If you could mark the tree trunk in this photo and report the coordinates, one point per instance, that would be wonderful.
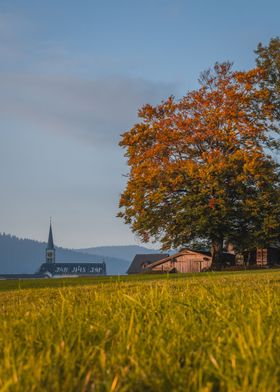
(217, 251)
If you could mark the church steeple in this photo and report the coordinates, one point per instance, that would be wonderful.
(50, 241)
(50, 250)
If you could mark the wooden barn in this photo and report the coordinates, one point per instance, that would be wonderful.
(187, 260)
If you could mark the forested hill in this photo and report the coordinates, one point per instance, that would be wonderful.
(125, 252)
(26, 256)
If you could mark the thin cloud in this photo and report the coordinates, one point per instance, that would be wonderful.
(92, 110)
(44, 86)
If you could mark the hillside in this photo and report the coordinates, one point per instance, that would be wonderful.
(25, 256)
(125, 252)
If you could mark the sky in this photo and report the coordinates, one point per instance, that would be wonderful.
(73, 75)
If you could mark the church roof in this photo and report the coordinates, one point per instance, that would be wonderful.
(50, 240)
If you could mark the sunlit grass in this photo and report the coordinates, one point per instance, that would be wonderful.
(205, 332)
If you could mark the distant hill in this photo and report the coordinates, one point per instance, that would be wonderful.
(125, 252)
(25, 256)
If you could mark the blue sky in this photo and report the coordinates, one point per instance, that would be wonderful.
(73, 75)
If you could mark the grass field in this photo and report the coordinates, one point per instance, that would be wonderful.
(205, 332)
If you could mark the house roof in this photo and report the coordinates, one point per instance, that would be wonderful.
(136, 264)
(175, 255)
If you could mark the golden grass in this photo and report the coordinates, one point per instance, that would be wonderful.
(212, 332)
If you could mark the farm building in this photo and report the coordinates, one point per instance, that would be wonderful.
(261, 257)
(141, 261)
(187, 260)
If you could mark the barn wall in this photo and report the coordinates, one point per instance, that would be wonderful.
(192, 262)
(262, 256)
(163, 267)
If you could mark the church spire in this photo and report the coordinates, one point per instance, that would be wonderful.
(50, 251)
(50, 241)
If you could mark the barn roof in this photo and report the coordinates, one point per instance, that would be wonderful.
(136, 264)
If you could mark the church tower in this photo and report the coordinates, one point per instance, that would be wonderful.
(50, 250)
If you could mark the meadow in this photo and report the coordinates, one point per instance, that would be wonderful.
(204, 332)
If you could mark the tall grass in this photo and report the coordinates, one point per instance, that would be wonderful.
(216, 332)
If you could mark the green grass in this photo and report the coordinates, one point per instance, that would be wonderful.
(204, 332)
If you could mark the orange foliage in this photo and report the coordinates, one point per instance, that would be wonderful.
(190, 156)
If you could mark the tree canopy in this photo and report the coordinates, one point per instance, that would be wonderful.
(268, 59)
(201, 168)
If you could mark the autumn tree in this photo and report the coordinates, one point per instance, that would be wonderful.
(200, 168)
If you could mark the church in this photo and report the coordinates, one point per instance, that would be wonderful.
(51, 268)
